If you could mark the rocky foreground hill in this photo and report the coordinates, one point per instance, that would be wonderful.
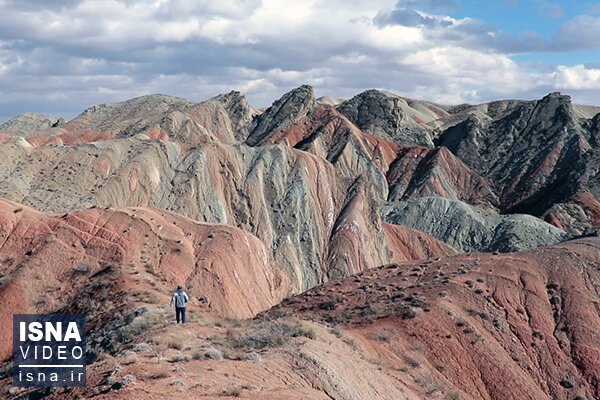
(391, 216)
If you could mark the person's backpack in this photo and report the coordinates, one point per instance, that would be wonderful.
(180, 299)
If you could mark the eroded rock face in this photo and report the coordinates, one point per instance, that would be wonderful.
(392, 117)
(327, 134)
(288, 188)
(468, 229)
(222, 119)
(535, 156)
(239, 111)
(290, 108)
(424, 172)
(477, 326)
(285, 196)
(269, 191)
(406, 244)
(128, 118)
(351, 250)
(41, 255)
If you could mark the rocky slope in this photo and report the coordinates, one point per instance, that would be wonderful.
(327, 134)
(42, 254)
(139, 170)
(403, 121)
(165, 152)
(146, 249)
(266, 191)
(468, 229)
(408, 244)
(24, 124)
(476, 326)
(290, 108)
(119, 266)
(537, 155)
(425, 172)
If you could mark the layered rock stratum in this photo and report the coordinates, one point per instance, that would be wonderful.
(106, 213)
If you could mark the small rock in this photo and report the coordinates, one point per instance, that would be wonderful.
(567, 384)
(253, 357)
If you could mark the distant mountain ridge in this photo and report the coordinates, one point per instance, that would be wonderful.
(485, 157)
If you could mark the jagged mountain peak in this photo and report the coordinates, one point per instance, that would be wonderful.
(291, 107)
(391, 117)
(240, 112)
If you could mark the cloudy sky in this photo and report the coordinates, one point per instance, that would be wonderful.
(61, 56)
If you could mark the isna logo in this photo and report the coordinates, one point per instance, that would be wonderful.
(49, 350)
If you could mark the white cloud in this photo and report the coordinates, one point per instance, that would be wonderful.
(582, 32)
(91, 51)
(577, 77)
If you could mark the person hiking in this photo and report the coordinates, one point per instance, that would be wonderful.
(179, 299)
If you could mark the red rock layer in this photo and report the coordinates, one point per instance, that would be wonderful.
(478, 326)
(407, 244)
(46, 260)
(421, 171)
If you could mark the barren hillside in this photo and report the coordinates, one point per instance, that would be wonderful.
(378, 247)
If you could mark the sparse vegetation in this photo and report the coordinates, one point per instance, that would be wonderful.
(384, 335)
(179, 384)
(159, 375)
(134, 329)
(452, 396)
(268, 333)
(146, 297)
(232, 392)
(337, 331)
(412, 362)
(175, 345)
(411, 312)
(91, 356)
(147, 317)
(128, 380)
(350, 342)
(81, 269)
(159, 355)
(180, 357)
(567, 383)
(429, 385)
(130, 360)
(139, 347)
(368, 310)
(472, 312)
(213, 354)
